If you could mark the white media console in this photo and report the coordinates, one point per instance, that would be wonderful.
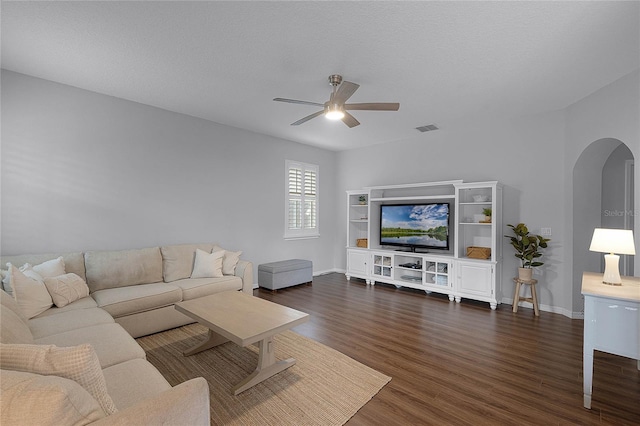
(449, 272)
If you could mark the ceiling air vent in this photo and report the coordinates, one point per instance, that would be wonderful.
(427, 128)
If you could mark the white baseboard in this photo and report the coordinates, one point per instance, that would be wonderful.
(547, 308)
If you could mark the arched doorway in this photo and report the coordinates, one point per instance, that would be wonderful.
(601, 191)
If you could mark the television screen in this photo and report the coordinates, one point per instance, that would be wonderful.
(415, 225)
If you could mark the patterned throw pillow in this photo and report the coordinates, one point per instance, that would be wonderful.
(77, 363)
(66, 288)
(33, 399)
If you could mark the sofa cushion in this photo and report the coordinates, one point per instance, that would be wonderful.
(133, 381)
(66, 288)
(78, 363)
(207, 265)
(193, 288)
(29, 290)
(137, 298)
(178, 259)
(84, 303)
(111, 342)
(14, 328)
(68, 320)
(111, 269)
(73, 262)
(30, 399)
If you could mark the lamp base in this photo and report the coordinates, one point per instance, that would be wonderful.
(611, 270)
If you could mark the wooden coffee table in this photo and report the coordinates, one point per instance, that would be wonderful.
(245, 320)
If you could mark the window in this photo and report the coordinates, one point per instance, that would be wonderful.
(301, 211)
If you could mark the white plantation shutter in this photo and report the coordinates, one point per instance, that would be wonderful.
(302, 200)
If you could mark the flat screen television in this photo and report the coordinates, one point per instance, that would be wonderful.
(424, 226)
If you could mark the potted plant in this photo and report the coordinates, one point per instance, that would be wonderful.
(487, 215)
(362, 199)
(528, 249)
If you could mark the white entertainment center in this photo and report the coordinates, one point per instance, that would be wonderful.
(451, 272)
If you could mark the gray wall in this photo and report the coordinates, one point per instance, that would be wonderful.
(524, 154)
(537, 158)
(84, 171)
(613, 211)
(596, 125)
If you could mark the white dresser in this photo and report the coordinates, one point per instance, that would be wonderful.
(611, 322)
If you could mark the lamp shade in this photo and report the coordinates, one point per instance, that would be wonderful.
(619, 241)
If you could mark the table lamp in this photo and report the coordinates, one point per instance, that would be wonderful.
(612, 241)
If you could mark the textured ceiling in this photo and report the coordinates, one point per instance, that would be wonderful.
(226, 61)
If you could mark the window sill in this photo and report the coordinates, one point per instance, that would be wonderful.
(301, 237)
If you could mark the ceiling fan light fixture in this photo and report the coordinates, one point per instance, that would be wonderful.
(334, 112)
(336, 107)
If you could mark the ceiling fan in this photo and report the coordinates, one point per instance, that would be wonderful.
(336, 108)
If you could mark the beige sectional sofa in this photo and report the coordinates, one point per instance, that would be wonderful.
(132, 294)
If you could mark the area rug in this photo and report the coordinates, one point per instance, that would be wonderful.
(324, 387)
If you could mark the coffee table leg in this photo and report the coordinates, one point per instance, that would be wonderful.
(213, 340)
(267, 366)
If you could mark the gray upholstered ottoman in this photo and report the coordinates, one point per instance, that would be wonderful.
(285, 273)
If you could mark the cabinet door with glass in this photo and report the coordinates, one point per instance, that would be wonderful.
(382, 268)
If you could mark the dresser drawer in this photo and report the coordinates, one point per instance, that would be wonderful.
(617, 325)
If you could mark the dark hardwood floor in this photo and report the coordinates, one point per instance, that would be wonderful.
(462, 364)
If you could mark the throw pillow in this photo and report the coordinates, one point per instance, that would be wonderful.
(51, 268)
(29, 290)
(230, 261)
(14, 324)
(207, 265)
(77, 363)
(30, 399)
(6, 283)
(66, 288)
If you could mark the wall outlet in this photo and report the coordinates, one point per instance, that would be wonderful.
(545, 232)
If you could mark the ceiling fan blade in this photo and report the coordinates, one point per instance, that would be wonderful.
(307, 118)
(344, 92)
(350, 120)
(295, 101)
(376, 106)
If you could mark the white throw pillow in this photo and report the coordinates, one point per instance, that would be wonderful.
(78, 363)
(51, 268)
(29, 290)
(6, 282)
(230, 261)
(66, 288)
(207, 265)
